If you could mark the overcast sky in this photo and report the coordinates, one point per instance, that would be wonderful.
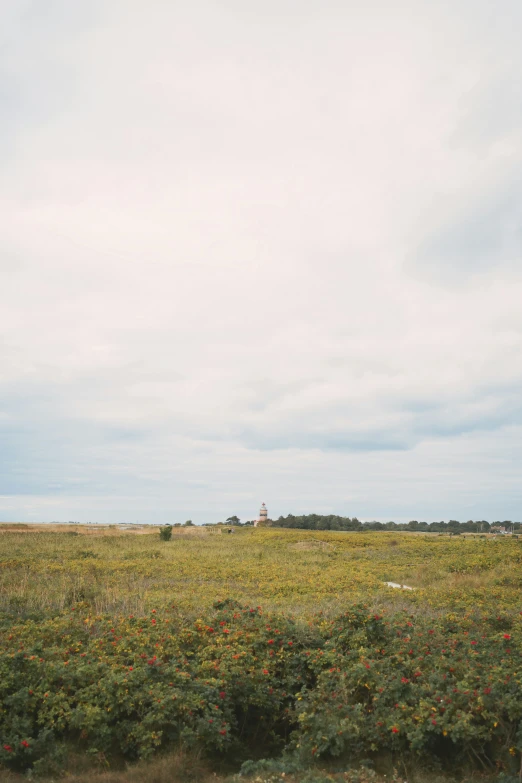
(260, 251)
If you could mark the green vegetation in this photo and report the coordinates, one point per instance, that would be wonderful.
(270, 644)
(334, 522)
(165, 533)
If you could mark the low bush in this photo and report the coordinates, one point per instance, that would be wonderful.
(238, 683)
(165, 533)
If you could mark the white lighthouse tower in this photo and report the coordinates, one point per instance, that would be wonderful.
(263, 515)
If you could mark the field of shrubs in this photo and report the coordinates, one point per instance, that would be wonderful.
(277, 654)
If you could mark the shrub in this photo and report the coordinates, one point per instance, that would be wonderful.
(237, 680)
(105, 657)
(166, 533)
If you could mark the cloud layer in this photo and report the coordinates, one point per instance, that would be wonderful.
(260, 252)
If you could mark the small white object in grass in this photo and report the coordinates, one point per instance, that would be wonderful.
(402, 587)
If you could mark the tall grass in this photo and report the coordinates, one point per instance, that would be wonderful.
(296, 571)
(174, 768)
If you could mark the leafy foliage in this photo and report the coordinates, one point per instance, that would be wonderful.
(435, 673)
(238, 679)
(335, 522)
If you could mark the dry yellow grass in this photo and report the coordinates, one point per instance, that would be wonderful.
(103, 530)
(176, 768)
(84, 530)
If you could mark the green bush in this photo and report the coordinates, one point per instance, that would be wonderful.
(237, 682)
(166, 533)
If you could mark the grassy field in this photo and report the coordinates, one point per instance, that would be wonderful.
(298, 571)
(286, 644)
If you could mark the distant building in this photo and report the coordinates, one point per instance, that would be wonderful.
(263, 515)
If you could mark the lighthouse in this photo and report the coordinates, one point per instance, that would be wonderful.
(263, 515)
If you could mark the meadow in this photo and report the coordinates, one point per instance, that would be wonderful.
(227, 650)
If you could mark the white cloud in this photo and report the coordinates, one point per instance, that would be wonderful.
(245, 250)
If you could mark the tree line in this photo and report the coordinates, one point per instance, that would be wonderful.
(334, 522)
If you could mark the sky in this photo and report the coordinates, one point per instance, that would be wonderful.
(264, 251)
